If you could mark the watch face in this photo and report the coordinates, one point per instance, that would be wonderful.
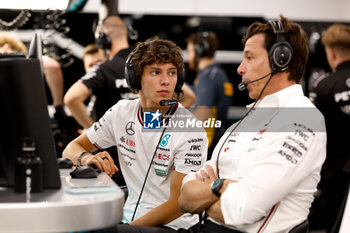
(216, 182)
(216, 186)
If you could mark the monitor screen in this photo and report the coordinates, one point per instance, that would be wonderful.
(24, 113)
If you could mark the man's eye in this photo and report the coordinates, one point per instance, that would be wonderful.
(173, 73)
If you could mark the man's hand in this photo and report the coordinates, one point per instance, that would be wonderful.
(207, 176)
(103, 161)
(214, 211)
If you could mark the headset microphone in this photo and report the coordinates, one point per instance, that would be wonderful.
(168, 102)
(173, 101)
(243, 85)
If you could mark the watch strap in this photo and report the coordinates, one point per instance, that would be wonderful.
(81, 156)
(216, 186)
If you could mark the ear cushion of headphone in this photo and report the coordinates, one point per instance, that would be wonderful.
(103, 41)
(131, 77)
(280, 56)
(199, 50)
(180, 82)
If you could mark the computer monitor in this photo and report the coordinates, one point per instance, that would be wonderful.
(24, 113)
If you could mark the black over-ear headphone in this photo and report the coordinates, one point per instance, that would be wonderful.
(281, 51)
(202, 47)
(103, 41)
(134, 80)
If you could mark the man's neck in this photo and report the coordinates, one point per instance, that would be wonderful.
(278, 82)
(116, 47)
(205, 62)
(339, 61)
(149, 106)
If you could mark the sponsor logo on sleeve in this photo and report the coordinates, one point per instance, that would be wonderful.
(195, 147)
(193, 162)
(288, 156)
(302, 134)
(194, 140)
(193, 155)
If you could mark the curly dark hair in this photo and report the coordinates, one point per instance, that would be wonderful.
(294, 34)
(155, 50)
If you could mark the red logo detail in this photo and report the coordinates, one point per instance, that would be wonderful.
(161, 156)
(226, 149)
(262, 131)
(130, 142)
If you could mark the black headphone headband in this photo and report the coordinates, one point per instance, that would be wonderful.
(134, 81)
(281, 51)
(103, 40)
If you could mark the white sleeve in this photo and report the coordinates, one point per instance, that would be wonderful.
(191, 153)
(212, 162)
(101, 133)
(289, 158)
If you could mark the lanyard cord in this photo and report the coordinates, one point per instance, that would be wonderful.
(149, 168)
(239, 122)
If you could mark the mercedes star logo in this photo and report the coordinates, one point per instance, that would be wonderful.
(129, 128)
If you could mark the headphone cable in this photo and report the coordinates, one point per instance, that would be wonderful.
(149, 168)
(240, 121)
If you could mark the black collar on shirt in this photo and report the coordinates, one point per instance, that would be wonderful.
(343, 65)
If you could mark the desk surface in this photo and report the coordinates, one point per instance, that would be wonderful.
(94, 207)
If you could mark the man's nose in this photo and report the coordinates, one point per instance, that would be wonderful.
(165, 79)
(241, 69)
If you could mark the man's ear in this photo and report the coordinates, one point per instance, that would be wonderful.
(333, 53)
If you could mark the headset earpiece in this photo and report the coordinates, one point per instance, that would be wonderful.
(130, 74)
(202, 47)
(133, 35)
(180, 82)
(103, 41)
(281, 51)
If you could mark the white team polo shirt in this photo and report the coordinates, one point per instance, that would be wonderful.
(182, 150)
(275, 154)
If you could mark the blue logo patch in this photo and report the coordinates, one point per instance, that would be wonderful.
(164, 140)
(151, 120)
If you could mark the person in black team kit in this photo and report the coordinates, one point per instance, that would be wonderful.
(331, 95)
(106, 80)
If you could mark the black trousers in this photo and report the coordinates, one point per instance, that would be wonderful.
(206, 227)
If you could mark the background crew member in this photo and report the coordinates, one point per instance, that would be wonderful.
(93, 55)
(331, 95)
(51, 68)
(213, 88)
(153, 69)
(106, 81)
(269, 163)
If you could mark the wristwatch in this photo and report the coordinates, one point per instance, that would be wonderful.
(81, 156)
(216, 186)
